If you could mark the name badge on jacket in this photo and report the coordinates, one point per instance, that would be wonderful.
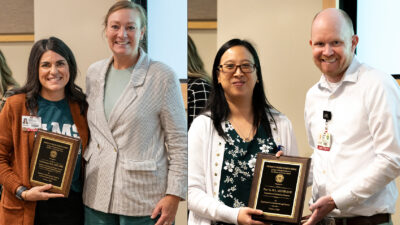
(31, 123)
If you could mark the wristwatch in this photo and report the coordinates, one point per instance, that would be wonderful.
(18, 194)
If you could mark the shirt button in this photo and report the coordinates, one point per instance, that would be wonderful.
(215, 174)
(217, 154)
(219, 144)
(216, 164)
(215, 183)
(98, 146)
(323, 171)
(115, 150)
(215, 193)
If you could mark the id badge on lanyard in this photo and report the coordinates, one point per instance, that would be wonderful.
(325, 138)
(31, 123)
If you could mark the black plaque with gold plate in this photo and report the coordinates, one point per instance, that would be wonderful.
(53, 161)
(279, 188)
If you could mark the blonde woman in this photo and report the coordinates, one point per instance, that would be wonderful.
(198, 83)
(136, 171)
(7, 82)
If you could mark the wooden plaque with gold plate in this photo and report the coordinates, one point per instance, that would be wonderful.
(53, 161)
(279, 188)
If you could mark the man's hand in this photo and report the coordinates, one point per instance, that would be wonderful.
(320, 209)
(167, 207)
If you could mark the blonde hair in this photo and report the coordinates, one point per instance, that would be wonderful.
(6, 79)
(195, 64)
(129, 5)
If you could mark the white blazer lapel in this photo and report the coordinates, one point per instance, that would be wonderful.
(102, 121)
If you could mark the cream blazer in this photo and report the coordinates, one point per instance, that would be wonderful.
(140, 154)
(206, 151)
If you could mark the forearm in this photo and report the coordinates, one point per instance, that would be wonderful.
(177, 171)
(378, 174)
(207, 207)
(8, 178)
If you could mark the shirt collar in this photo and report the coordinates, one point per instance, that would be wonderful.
(351, 74)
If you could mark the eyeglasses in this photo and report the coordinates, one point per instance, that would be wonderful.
(231, 68)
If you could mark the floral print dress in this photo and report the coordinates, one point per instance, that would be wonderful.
(238, 165)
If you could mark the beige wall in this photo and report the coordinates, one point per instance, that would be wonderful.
(17, 55)
(280, 31)
(78, 24)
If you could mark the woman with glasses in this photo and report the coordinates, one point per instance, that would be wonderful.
(223, 143)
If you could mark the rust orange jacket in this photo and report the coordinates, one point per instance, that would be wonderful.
(16, 148)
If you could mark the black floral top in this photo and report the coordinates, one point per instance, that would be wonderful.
(238, 165)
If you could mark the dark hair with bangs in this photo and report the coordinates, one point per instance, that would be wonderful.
(217, 104)
(32, 86)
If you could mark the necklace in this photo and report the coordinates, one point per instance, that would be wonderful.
(245, 138)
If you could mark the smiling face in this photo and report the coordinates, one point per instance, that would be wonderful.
(332, 44)
(124, 32)
(237, 84)
(53, 75)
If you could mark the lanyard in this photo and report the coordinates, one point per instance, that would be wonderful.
(326, 115)
(324, 141)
